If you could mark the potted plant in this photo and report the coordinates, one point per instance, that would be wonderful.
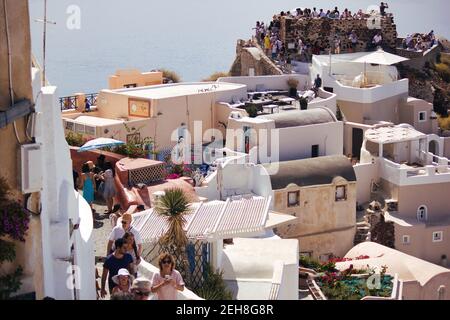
(292, 83)
(303, 103)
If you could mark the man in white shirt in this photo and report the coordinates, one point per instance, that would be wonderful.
(322, 14)
(315, 14)
(118, 232)
(377, 40)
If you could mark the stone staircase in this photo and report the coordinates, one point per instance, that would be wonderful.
(362, 232)
(315, 291)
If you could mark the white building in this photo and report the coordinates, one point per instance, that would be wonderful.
(405, 169)
(290, 135)
(253, 268)
(68, 260)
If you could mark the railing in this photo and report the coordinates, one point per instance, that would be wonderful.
(92, 98)
(70, 102)
(67, 103)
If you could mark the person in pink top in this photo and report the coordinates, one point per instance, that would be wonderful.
(167, 281)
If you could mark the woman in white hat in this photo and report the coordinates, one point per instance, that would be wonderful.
(123, 279)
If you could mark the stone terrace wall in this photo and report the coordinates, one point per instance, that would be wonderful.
(250, 55)
(319, 30)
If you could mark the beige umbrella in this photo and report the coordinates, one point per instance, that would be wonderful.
(379, 57)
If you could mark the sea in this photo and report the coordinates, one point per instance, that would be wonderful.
(88, 40)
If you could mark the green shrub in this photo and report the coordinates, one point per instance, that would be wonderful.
(170, 75)
(213, 287)
(74, 139)
(444, 71)
(252, 110)
(10, 283)
(217, 75)
(7, 252)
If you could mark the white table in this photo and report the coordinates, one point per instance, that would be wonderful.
(271, 107)
(287, 100)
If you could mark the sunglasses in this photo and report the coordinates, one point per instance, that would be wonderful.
(167, 262)
(140, 293)
(124, 222)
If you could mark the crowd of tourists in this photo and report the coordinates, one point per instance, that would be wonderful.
(420, 42)
(268, 36)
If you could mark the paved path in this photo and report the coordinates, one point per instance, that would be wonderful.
(102, 229)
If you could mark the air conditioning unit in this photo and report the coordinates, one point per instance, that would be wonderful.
(31, 168)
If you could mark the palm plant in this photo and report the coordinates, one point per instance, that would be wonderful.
(174, 205)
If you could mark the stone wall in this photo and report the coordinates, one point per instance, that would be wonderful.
(312, 30)
(249, 55)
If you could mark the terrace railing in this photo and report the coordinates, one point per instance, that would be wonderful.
(67, 103)
(71, 102)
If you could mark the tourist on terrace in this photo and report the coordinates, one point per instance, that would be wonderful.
(383, 7)
(314, 13)
(132, 250)
(141, 288)
(359, 15)
(87, 184)
(119, 231)
(354, 40)
(377, 40)
(317, 85)
(87, 106)
(337, 45)
(267, 44)
(336, 13)
(167, 281)
(113, 263)
(123, 280)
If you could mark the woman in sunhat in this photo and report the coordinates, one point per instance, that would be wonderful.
(123, 280)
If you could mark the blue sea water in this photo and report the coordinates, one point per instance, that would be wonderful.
(192, 37)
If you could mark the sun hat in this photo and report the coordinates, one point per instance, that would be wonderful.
(142, 284)
(122, 272)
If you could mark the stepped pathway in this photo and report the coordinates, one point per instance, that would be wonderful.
(362, 232)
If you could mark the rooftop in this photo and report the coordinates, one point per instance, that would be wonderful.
(408, 268)
(393, 134)
(217, 219)
(297, 118)
(311, 172)
(177, 89)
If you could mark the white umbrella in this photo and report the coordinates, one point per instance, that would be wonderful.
(379, 57)
(100, 143)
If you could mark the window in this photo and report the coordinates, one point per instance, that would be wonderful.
(341, 193)
(325, 257)
(130, 85)
(422, 116)
(422, 213)
(437, 236)
(293, 198)
(406, 239)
